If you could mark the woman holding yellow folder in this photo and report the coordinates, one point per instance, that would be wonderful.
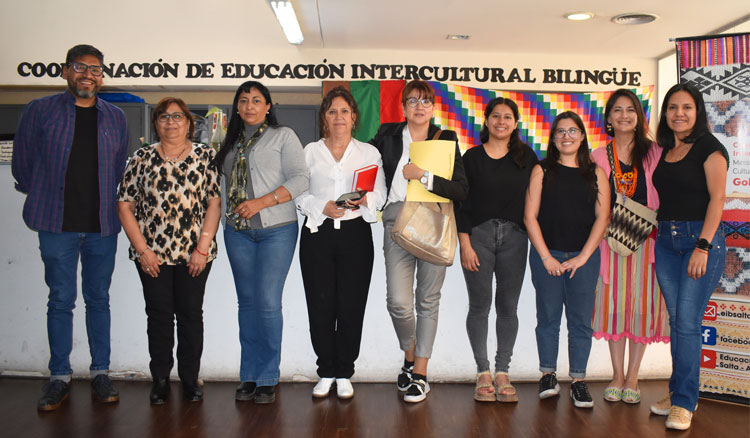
(416, 335)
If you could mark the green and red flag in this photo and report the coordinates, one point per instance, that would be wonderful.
(378, 102)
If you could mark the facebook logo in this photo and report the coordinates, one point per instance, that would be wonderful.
(709, 335)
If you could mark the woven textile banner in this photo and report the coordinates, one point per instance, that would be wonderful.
(720, 68)
(461, 109)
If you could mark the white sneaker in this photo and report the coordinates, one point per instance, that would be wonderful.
(417, 391)
(323, 387)
(344, 388)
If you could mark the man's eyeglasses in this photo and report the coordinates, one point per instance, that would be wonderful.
(80, 67)
(572, 132)
(413, 101)
(176, 117)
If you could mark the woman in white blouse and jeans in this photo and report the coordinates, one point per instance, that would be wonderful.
(336, 250)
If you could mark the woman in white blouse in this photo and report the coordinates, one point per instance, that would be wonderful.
(336, 250)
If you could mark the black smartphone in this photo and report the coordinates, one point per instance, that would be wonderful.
(352, 196)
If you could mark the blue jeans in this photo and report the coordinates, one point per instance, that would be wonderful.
(577, 294)
(60, 252)
(260, 261)
(686, 301)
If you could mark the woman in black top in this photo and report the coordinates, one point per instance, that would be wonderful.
(691, 181)
(566, 215)
(494, 241)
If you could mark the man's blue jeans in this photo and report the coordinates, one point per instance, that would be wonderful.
(60, 253)
(260, 261)
(577, 295)
(686, 301)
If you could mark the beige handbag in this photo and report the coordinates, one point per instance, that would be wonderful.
(427, 230)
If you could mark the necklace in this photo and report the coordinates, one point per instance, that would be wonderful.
(624, 182)
(174, 159)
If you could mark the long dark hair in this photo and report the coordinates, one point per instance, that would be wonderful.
(237, 125)
(515, 146)
(583, 155)
(665, 135)
(641, 142)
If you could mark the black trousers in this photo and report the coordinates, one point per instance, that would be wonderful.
(174, 293)
(336, 271)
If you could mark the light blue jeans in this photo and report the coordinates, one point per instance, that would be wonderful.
(577, 295)
(260, 261)
(686, 301)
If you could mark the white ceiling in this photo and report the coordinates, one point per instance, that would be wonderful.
(502, 26)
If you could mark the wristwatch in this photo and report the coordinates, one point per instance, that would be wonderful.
(425, 178)
(703, 244)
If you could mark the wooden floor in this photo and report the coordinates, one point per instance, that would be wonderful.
(376, 411)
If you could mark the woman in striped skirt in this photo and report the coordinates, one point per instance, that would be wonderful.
(628, 301)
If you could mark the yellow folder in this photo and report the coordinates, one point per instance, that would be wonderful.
(436, 156)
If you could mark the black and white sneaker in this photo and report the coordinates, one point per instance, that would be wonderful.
(579, 392)
(404, 379)
(548, 386)
(417, 391)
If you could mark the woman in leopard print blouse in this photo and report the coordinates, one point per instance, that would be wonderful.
(170, 205)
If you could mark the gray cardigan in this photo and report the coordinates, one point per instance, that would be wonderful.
(275, 160)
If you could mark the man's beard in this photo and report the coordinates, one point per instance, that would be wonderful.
(83, 93)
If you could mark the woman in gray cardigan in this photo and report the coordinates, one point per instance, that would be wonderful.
(263, 169)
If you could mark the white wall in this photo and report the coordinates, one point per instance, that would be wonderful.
(23, 346)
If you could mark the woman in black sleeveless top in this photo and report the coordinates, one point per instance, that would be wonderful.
(689, 255)
(566, 215)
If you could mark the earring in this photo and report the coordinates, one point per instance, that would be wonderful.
(609, 129)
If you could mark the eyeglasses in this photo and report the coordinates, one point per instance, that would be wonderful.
(176, 117)
(413, 101)
(80, 67)
(572, 132)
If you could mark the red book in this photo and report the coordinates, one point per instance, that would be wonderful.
(364, 178)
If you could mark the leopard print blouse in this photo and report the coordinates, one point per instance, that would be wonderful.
(171, 200)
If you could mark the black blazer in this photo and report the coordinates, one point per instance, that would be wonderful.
(389, 142)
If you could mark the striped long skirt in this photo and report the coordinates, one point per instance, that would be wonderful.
(631, 305)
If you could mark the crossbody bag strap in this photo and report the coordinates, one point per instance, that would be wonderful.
(610, 157)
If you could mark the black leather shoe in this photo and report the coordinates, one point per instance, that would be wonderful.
(102, 389)
(192, 392)
(245, 392)
(55, 392)
(265, 395)
(159, 392)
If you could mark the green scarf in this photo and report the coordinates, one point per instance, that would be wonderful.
(237, 186)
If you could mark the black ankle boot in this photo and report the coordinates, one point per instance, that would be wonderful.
(192, 391)
(159, 391)
(245, 392)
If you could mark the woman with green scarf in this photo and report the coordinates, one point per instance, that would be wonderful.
(263, 169)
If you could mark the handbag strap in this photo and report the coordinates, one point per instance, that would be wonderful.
(610, 157)
(437, 134)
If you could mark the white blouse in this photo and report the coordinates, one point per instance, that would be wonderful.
(330, 179)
